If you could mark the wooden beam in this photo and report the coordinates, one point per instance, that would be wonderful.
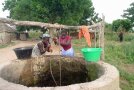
(41, 24)
(102, 38)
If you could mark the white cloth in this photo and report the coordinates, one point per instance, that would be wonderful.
(69, 52)
(36, 51)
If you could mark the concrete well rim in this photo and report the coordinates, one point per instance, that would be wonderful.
(109, 78)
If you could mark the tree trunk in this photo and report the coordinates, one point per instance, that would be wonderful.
(40, 24)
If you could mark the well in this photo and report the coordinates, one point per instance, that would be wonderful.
(104, 77)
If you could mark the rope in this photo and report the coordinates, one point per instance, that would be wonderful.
(52, 74)
(60, 71)
(59, 41)
(60, 60)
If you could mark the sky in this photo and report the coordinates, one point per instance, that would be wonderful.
(3, 14)
(111, 9)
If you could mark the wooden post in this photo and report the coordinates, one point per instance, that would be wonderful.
(95, 38)
(99, 34)
(102, 37)
(51, 32)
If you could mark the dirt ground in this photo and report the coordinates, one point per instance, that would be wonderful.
(7, 53)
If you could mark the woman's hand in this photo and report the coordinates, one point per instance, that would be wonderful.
(48, 48)
(49, 45)
(51, 50)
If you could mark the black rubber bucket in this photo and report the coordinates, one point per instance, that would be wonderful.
(23, 52)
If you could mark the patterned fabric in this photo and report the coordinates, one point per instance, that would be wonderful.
(36, 51)
(40, 48)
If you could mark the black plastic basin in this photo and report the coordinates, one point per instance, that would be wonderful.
(23, 52)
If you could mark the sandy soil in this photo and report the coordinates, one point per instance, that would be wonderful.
(7, 53)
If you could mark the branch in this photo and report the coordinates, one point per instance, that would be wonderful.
(41, 24)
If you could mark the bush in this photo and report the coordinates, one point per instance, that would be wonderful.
(121, 24)
(34, 34)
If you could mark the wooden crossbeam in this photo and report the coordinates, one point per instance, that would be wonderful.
(41, 24)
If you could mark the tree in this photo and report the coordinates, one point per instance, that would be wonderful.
(123, 24)
(70, 12)
(129, 13)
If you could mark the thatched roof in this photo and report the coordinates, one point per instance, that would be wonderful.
(6, 28)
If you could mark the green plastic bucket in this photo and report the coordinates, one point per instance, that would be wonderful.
(91, 54)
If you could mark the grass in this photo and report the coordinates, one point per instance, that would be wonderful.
(7, 45)
(128, 78)
(119, 54)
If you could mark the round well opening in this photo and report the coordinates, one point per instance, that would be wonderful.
(51, 70)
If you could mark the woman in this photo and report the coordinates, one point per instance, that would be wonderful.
(65, 42)
(42, 46)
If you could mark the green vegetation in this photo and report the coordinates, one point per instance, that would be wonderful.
(68, 12)
(3, 45)
(118, 54)
(121, 24)
(34, 34)
(93, 70)
(7, 45)
(129, 13)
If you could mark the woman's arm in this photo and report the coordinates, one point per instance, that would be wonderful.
(48, 48)
(41, 48)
